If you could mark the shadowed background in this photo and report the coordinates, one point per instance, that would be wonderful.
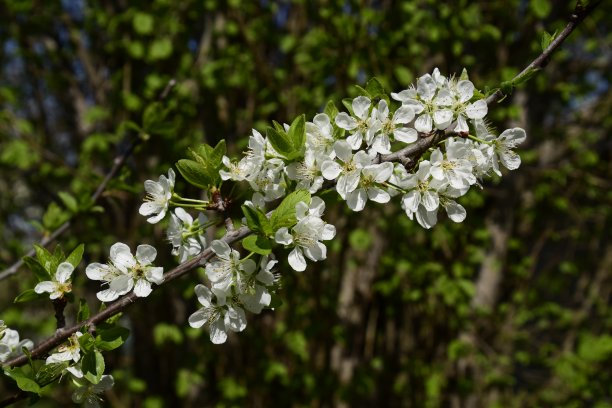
(509, 308)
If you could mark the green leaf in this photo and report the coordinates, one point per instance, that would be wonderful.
(35, 266)
(464, 75)
(278, 126)
(69, 201)
(194, 172)
(280, 141)
(297, 135)
(284, 215)
(50, 372)
(331, 110)
(256, 220)
(143, 23)
(258, 244)
(218, 152)
(362, 91)
(24, 380)
(83, 313)
(46, 259)
(547, 39)
(525, 77)
(112, 338)
(541, 8)
(160, 49)
(54, 216)
(87, 342)
(28, 295)
(75, 256)
(375, 88)
(348, 104)
(93, 366)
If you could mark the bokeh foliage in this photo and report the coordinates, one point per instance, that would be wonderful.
(510, 308)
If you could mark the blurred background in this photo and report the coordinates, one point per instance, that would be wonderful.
(510, 308)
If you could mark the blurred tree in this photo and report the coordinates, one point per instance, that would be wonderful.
(509, 308)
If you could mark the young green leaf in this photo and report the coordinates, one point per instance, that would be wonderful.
(284, 215)
(112, 338)
(256, 220)
(75, 256)
(93, 366)
(331, 110)
(83, 313)
(39, 271)
(279, 141)
(375, 88)
(69, 201)
(194, 172)
(297, 135)
(258, 244)
(46, 259)
(28, 295)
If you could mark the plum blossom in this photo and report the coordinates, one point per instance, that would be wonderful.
(348, 173)
(223, 272)
(501, 149)
(88, 394)
(369, 186)
(158, 197)
(60, 284)
(67, 352)
(384, 127)
(307, 234)
(186, 235)
(359, 123)
(126, 272)
(10, 345)
(218, 316)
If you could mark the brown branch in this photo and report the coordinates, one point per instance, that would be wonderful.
(117, 164)
(579, 14)
(62, 334)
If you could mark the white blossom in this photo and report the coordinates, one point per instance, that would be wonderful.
(347, 172)
(158, 197)
(10, 345)
(126, 272)
(185, 235)
(88, 394)
(369, 186)
(319, 136)
(358, 124)
(60, 284)
(67, 352)
(378, 136)
(306, 236)
(307, 172)
(224, 271)
(216, 315)
(501, 149)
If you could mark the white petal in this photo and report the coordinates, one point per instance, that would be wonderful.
(515, 135)
(204, 295)
(510, 159)
(442, 118)
(356, 200)
(361, 106)
(155, 275)
(444, 98)
(107, 295)
(462, 126)
(121, 256)
(142, 288)
(423, 123)
(145, 254)
(465, 89)
(46, 286)
(235, 319)
(148, 208)
(221, 248)
(427, 219)
(183, 216)
(477, 110)
(378, 195)
(317, 252)
(330, 170)
(343, 150)
(97, 271)
(430, 201)
(404, 114)
(411, 200)
(329, 232)
(217, 332)
(283, 236)
(198, 318)
(426, 87)
(122, 284)
(455, 211)
(296, 260)
(344, 121)
(64, 270)
(406, 135)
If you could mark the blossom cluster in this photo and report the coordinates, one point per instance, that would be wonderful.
(346, 152)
